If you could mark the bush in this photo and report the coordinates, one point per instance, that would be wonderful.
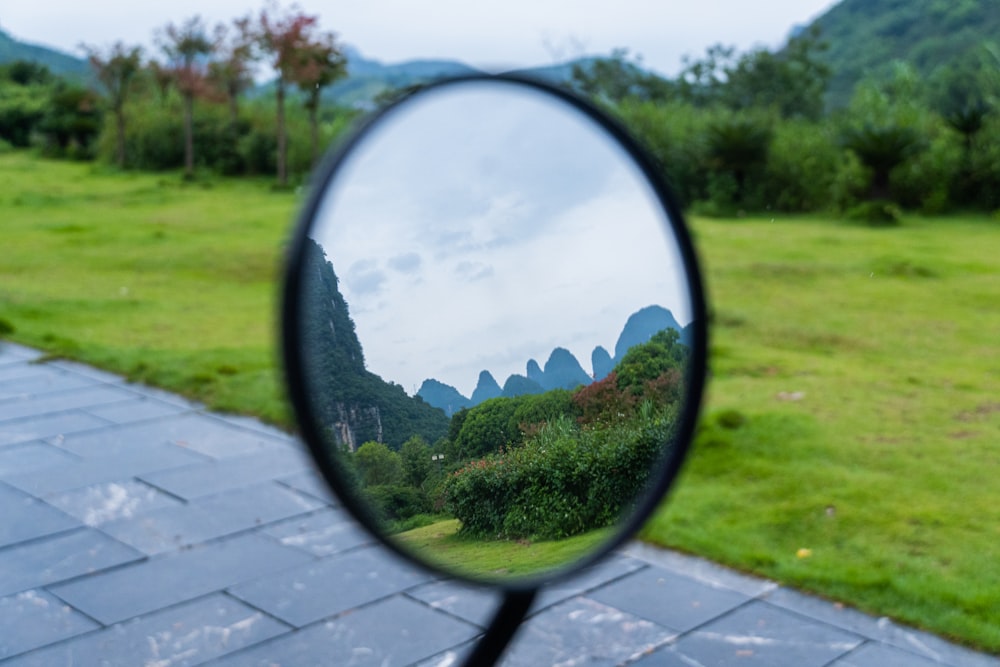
(879, 213)
(563, 481)
(803, 168)
(154, 137)
(395, 502)
(673, 134)
(924, 181)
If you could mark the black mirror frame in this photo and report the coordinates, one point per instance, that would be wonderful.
(294, 363)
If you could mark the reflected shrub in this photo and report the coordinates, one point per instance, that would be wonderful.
(564, 480)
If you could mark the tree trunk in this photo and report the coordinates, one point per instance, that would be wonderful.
(188, 135)
(234, 105)
(120, 148)
(880, 189)
(314, 132)
(282, 138)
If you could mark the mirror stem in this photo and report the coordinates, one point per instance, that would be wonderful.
(501, 630)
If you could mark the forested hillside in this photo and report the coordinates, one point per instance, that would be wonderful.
(866, 36)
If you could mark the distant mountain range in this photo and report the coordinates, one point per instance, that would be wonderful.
(562, 370)
(58, 62)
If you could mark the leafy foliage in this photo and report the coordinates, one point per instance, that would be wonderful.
(562, 463)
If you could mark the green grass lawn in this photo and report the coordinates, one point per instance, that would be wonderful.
(866, 363)
(166, 282)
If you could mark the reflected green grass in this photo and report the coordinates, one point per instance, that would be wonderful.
(441, 544)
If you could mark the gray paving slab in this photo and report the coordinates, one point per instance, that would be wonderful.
(470, 603)
(310, 482)
(120, 466)
(26, 517)
(179, 525)
(580, 631)
(59, 558)
(35, 618)
(16, 369)
(35, 380)
(204, 479)
(391, 633)
(668, 599)
(195, 432)
(29, 456)
(187, 634)
(667, 656)
(90, 372)
(880, 655)
(613, 568)
(133, 410)
(84, 397)
(759, 634)
(47, 426)
(12, 352)
(156, 583)
(701, 570)
(333, 585)
(100, 503)
(324, 533)
(882, 630)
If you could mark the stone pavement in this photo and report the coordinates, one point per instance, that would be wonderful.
(139, 529)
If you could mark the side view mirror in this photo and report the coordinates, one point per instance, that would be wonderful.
(494, 334)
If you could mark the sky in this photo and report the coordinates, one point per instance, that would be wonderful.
(460, 250)
(493, 34)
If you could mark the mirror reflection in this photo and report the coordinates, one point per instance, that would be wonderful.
(495, 324)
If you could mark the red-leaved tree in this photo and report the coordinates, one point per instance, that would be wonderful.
(318, 65)
(284, 38)
(231, 69)
(188, 48)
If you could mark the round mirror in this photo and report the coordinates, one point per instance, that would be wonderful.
(494, 330)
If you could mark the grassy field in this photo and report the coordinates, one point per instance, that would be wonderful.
(167, 282)
(864, 365)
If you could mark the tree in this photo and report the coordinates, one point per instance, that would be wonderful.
(881, 126)
(318, 64)
(378, 465)
(25, 72)
(230, 71)
(71, 120)
(737, 145)
(416, 458)
(116, 70)
(162, 78)
(701, 81)
(24, 98)
(187, 47)
(284, 38)
(792, 81)
(611, 80)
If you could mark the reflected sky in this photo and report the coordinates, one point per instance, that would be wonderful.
(482, 225)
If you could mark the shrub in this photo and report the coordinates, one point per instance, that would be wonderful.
(394, 502)
(878, 213)
(803, 168)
